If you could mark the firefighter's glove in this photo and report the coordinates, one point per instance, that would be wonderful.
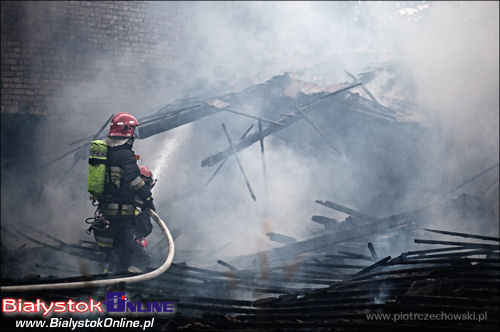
(142, 241)
(148, 204)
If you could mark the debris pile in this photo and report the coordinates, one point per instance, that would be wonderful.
(362, 273)
(445, 287)
(335, 281)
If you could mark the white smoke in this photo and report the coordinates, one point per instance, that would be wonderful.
(445, 57)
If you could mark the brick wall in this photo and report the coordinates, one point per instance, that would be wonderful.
(45, 45)
(48, 46)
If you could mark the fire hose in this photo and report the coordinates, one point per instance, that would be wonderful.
(107, 282)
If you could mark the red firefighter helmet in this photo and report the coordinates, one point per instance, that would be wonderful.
(123, 125)
(147, 175)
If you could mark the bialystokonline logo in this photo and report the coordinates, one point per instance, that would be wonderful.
(116, 302)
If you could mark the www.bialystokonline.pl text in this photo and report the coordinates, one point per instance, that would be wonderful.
(86, 323)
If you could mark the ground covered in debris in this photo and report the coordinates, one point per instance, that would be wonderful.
(336, 281)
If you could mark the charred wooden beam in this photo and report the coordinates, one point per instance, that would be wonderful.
(230, 141)
(224, 161)
(325, 221)
(246, 132)
(345, 209)
(464, 244)
(473, 236)
(423, 252)
(372, 251)
(261, 139)
(281, 238)
(450, 260)
(454, 254)
(229, 266)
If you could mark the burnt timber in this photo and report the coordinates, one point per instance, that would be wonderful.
(329, 281)
(317, 284)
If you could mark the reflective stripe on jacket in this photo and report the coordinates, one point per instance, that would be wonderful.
(124, 181)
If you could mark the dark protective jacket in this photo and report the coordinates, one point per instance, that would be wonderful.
(123, 181)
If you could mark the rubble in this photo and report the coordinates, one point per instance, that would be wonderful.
(340, 278)
(315, 284)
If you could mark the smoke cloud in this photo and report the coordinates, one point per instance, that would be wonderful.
(441, 56)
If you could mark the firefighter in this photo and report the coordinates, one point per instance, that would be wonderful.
(142, 228)
(123, 184)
